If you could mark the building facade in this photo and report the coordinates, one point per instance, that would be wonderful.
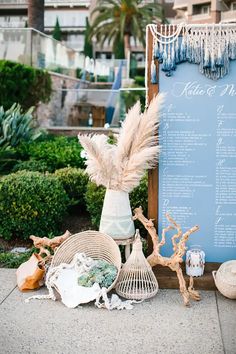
(70, 14)
(202, 11)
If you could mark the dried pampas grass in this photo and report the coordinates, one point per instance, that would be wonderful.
(122, 165)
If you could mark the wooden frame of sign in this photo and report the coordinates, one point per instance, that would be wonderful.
(166, 278)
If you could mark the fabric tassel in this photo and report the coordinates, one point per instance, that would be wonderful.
(219, 59)
(206, 63)
(153, 73)
(160, 59)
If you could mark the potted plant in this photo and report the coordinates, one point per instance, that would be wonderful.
(119, 167)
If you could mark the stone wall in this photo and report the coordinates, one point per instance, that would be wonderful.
(56, 112)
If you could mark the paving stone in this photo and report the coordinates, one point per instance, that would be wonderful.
(227, 315)
(161, 325)
(7, 282)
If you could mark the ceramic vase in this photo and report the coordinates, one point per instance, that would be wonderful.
(116, 219)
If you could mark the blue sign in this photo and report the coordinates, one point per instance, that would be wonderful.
(197, 168)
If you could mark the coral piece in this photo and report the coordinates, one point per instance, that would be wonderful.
(173, 262)
(42, 242)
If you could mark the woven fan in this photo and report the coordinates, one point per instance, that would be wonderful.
(137, 280)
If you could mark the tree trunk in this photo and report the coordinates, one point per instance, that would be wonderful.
(36, 14)
(127, 45)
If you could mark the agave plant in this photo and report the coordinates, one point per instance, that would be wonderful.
(16, 126)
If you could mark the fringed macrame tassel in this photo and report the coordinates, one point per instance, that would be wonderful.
(153, 73)
(206, 63)
(219, 59)
(211, 48)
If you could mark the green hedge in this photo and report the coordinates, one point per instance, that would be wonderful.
(95, 195)
(30, 203)
(31, 165)
(74, 181)
(23, 84)
(57, 152)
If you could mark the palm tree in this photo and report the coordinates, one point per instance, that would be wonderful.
(118, 20)
(36, 14)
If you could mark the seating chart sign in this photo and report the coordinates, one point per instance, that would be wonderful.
(197, 167)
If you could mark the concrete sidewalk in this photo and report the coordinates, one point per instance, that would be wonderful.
(160, 325)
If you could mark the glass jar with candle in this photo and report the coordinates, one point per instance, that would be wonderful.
(195, 261)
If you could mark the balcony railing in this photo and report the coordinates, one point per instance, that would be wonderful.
(13, 2)
(12, 24)
(31, 47)
(180, 4)
(105, 105)
(228, 16)
(200, 17)
(48, 2)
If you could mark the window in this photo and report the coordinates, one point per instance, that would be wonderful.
(205, 9)
(201, 9)
(233, 6)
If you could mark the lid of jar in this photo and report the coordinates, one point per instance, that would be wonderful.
(227, 272)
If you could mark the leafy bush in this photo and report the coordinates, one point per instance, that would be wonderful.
(30, 203)
(8, 159)
(95, 195)
(139, 80)
(14, 260)
(57, 152)
(31, 165)
(23, 84)
(16, 126)
(74, 181)
(131, 97)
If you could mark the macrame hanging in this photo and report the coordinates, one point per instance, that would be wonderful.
(137, 280)
(210, 46)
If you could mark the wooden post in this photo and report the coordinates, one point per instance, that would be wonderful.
(152, 174)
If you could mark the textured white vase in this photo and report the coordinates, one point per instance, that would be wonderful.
(116, 219)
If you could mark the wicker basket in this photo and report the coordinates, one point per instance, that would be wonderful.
(94, 244)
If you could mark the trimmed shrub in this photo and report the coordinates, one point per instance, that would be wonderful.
(8, 159)
(74, 181)
(95, 195)
(23, 84)
(30, 203)
(57, 152)
(31, 165)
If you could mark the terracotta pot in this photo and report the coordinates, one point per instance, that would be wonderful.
(116, 219)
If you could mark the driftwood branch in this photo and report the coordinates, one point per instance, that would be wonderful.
(42, 242)
(173, 262)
